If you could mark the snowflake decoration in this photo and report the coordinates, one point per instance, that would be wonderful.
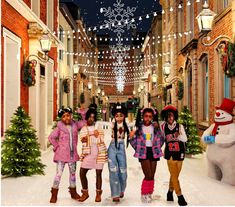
(119, 18)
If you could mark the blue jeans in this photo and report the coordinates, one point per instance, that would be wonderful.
(117, 168)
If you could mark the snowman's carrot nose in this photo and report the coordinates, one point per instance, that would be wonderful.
(217, 113)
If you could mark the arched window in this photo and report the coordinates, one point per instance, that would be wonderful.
(222, 83)
(189, 83)
(203, 87)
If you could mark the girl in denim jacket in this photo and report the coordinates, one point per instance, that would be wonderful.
(147, 142)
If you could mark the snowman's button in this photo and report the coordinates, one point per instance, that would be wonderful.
(217, 132)
(218, 129)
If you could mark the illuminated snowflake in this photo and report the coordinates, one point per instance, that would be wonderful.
(119, 18)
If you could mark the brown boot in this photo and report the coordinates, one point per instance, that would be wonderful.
(98, 195)
(54, 192)
(73, 193)
(116, 199)
(84, 196)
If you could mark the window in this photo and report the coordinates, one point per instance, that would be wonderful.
(168, 12)
(227, 87)
(189, 86)
(222, 82)
(50, 14)
(205, 88)
(68, 50)
(190, 20)
(180, 17)
(35, 6)
(226, 3)
(62, 40)
(222, 4)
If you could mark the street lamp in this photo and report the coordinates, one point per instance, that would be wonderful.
(167, 69)
(98, 90)
(134, 92)
(154, 78)
(75, 69)
(205, 21)
(30, 65)
(141, 86)
(89, 85)
(102, 93)
(45, 43)
(166, 73)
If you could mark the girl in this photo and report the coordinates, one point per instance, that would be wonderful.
(64, 141)
(117, 154)
(94, 155)
(147, 142)
(175, 138)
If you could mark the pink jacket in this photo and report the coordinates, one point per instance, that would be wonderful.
(59, 138)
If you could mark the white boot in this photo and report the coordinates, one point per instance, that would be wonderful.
(146, 198)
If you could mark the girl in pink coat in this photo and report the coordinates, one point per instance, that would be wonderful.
(64, 139)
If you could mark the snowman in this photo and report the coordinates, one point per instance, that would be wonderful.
(220, 137)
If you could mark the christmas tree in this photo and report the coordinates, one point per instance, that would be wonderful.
(20, 150)
(99, 112)
(193, 145)
(76, 116)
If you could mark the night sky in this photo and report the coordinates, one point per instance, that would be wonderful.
(90, 10)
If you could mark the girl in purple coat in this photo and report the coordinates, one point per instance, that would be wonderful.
(147, 142)
(64, 139)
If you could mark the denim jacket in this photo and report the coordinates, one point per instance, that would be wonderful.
(139, 144)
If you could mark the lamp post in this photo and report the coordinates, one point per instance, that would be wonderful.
(29, 67)
(154, 78)
(45, 43)
(205, 21)
(89, 85)
(167, 72)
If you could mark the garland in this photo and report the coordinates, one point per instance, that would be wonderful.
(180, 92)
(228, 59)
(29, 73)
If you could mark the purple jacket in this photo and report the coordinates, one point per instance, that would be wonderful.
(139, 144)
(59, 138)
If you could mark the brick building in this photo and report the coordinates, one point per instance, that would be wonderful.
(199, 66)
(22, 25)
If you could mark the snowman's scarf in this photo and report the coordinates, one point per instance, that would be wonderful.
(217, 124)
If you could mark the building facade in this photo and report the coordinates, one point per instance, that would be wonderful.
(22, 25)
(199, 66)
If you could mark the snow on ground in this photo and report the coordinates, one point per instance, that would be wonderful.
(197, 188)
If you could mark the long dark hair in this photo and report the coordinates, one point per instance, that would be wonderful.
(126, 130)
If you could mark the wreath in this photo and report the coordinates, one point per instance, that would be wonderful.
(180, 92)
(66, 84)
(228, 59)
(29, 73)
